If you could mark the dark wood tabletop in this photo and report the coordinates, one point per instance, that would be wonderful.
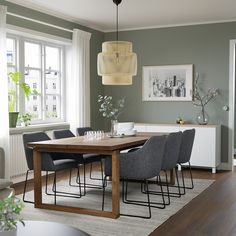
(45, 228)
(77, 144)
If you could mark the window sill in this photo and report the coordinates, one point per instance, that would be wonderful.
(39, 127)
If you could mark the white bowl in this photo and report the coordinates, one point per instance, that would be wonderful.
(125, 126)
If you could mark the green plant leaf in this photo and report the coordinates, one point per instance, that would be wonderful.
(15, 77)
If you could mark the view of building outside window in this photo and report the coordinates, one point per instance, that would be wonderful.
(42, 71)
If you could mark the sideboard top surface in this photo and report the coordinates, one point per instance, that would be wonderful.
(184, 125)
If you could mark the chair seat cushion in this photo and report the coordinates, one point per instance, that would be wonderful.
(4, 183)
(92, 157)
(77, 157)
(64, 164)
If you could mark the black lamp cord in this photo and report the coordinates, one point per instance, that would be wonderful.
(117, 22)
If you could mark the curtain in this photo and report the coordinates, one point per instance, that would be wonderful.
(4, 123)
(78, 84)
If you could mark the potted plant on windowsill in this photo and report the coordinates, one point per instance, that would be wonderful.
(16, 79)
(10, 209)
(25, 119)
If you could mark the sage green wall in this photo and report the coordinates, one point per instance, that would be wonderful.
(95, 46)
(204, 46)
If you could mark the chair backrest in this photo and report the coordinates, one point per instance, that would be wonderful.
(186, 146)
(146, 162)
(65, 133)
(47, 162)
(82, 130)
(172, 150)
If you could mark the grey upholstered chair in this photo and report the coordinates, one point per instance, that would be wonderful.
(141, 165)
(185, 154)
(81, 131)
(83, 158)
(171, 155)
(49, 163)
(66, 133)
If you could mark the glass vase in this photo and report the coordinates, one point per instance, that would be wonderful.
(202, 117)
(114, 124)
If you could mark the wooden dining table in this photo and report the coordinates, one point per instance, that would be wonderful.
(106, 146)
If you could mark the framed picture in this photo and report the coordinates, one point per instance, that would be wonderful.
(167, 83)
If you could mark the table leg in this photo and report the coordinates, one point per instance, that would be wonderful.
(115, 184)
(172, 177)
(37, 179)
(115, 213)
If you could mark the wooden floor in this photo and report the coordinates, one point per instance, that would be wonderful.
(212, 213)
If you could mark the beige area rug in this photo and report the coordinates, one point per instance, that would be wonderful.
(99, 226)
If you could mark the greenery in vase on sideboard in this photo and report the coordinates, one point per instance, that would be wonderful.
(201, 99)
(111, 110)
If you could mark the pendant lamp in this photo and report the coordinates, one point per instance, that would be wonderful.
(117, 63)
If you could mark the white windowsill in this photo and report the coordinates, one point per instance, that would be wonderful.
(39, 127)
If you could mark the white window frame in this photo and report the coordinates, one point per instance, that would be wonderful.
(48, 40)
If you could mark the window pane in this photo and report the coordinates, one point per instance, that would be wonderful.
(52, 83)
(52, 58)
(53, 106)
(11, 51)
(33, 104)
(12, 92)
(32, 55)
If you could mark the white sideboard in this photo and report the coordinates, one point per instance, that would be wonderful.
(207, 143)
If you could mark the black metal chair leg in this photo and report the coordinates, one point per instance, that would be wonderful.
(102, 171)
(103, 192)
(147, 204)
(46, 186)
(122, 191)
(182, 176)
(91, 170)
(126, 191)
(77, 181)
(162, 193)
(78, 177)
(191, 177)
(167, 188)
(159, 205)
(55, 187)
(60, 193)
(86, 185)
(26, 179)
(178, 186)
(84, 180)
(70, 181)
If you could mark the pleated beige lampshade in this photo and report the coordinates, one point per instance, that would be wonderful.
(117, 63)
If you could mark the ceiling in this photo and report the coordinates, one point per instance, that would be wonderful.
(136, 14)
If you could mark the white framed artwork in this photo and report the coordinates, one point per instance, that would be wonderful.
(167, 83)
